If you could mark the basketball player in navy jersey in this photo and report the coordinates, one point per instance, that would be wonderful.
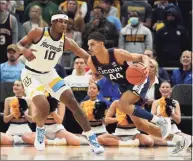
(43, 47)
(113, 63)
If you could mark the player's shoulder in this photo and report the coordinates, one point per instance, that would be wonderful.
(119, 51)
(37, 31)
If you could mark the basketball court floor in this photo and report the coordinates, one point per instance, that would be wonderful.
(84, 153)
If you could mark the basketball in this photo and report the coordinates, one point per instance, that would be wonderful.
(135, 74)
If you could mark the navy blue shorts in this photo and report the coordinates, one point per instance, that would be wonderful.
(140, 90)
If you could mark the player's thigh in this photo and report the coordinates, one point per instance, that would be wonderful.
(54, 84)
(32, 84)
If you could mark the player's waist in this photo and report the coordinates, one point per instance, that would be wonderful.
(35, 71)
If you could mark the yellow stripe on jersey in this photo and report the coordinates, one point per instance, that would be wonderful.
(56, 84)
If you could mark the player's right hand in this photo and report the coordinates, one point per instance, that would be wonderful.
(28, 54)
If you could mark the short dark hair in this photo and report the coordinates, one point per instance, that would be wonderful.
(108, 1)
(134, 11)
(76, 57)
(97, 36)
(59, 12)
(100, 8)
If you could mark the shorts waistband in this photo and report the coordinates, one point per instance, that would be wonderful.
(126, 127)
(33, 70)
(18, 123)
(50, 123)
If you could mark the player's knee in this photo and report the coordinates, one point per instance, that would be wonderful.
(42, 105)
(125, 107)
(67, 98)
(101, 139)
(147, 141)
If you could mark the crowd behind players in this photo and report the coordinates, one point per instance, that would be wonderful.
(160, 29)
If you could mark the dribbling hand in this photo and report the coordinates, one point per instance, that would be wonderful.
(146, 71)
(28, 54)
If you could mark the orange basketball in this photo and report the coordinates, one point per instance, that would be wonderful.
(135, 74)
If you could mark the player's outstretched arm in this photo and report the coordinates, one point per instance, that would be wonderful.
(33, 36)
(71, 45)
(123, 55)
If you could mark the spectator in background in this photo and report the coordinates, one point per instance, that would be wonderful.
(106, 5)
(153, 92)
(79, 83)
(94, 109)
(110, 9)
(72, 33)
(158, 13)
(163, 74)
(11, 70)
(126, 133)
(101, 24)
(165, 106)
(135, 37)
(183, 75)
(48, 8)
(108, 90)
(17, 112)
(73, 10)
(35, 15)
(67, 58)
(171, 40)
(80, 6)
(113, 6)
(142, 7)
(8, 30)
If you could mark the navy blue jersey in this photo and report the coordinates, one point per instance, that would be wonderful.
(113, 71)
(117, 73)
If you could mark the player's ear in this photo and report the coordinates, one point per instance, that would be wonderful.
(102, 43)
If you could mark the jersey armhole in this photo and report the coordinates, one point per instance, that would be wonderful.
(40, 37)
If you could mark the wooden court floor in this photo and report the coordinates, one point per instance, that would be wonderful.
(84, 153)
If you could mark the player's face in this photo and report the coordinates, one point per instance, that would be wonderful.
(94, 46)
(165, 89)
(92, 90)
(60, 25)
(17, 87)
(79, 64)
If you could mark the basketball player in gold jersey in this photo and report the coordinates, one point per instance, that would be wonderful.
(43, 47)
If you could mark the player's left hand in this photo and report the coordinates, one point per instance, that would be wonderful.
(146, 70)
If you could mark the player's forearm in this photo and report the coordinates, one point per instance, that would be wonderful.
(145, 60)
(81, 53)
(21, 47)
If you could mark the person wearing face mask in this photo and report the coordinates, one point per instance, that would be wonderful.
(171, 40)
(135, 37)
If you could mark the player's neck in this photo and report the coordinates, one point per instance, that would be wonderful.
(54, 34)
(103, 56)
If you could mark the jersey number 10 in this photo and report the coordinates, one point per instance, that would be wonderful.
(50, 55)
